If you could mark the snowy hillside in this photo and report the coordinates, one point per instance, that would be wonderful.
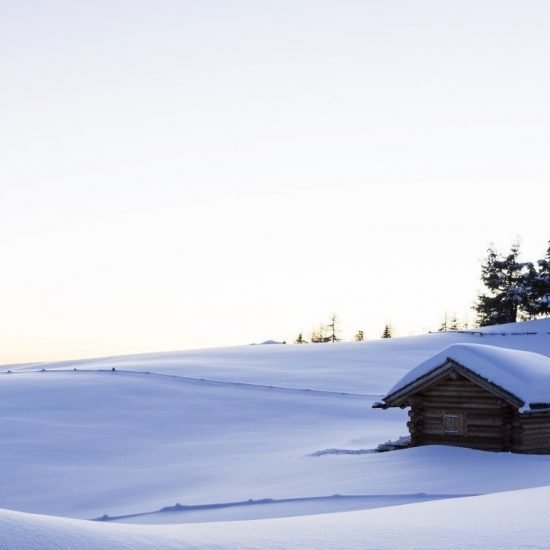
(237, 434)
(363, 367)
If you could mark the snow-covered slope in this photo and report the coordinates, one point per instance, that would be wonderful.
(90, 443)
(516, 520)
(358, 367)
(235, 433)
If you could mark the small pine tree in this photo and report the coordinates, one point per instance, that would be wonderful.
(319, 336)
(326, 333)
(359, 336)
(454, 325)
(387, 331)
(300, 339)
(333, 328)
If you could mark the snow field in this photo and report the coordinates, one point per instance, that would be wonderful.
(214, 429)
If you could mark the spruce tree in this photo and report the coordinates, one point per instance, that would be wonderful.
(543, 290)
(537, 289)
(387, 331)
(504, 278)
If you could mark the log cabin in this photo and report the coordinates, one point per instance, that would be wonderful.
(478, 396)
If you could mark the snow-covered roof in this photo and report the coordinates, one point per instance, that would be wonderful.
(524, 374)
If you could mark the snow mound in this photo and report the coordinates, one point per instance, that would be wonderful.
(536, 326)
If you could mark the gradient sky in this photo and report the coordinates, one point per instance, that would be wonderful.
(181, 174)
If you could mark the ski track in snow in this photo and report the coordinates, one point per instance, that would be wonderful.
(377, 501)
(324, 452)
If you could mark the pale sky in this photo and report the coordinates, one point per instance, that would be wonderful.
(180, 174)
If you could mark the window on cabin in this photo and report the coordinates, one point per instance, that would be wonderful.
(452, 423)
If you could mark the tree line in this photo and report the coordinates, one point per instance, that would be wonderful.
(330, 332)
(514, 290)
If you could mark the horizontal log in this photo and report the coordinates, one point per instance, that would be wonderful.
(455, 386)
(485, 445)
(428, 399)
(535, 427)
(533, 446)
(489, 422)
(432, 413)
(486, 417)
(485, 433)
(537, 439)
(480, 434)
(459, 383)
(433, 431)
(433, 428)
(470, 438)
(534, 440)
(537, 449)
(449, 404)
(528, 429)
(466, 390)
(476, 390)
(475, 416)
(458, 396)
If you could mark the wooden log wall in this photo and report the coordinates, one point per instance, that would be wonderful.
(485, 421)
(534, 436)
(478, 419)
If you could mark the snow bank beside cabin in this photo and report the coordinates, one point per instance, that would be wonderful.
(524, 374)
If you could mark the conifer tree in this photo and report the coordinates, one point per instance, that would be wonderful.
(326, 333)
(504, 278)
(543, 291)
(333, 328)
(537, 289)
(454, 325)
(387, 331)
(319, 335)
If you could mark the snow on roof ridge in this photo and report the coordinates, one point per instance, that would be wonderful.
(524, 374)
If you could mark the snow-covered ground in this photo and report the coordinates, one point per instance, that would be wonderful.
(517, 520)
(225, 436)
